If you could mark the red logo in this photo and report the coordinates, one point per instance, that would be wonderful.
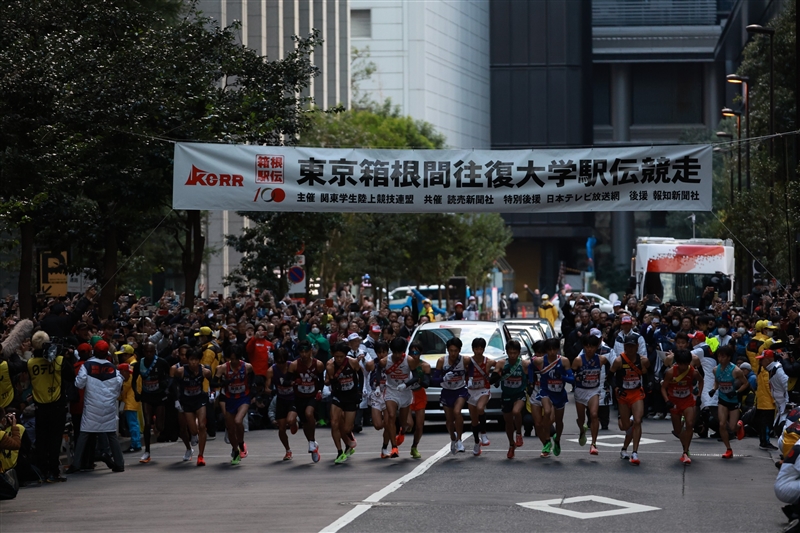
(268, 194)
(201, 177)
(269, 169)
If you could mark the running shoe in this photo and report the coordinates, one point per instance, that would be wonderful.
(453, 447)
(485, 439)
(145, 457)
(293, 427)
(415, 454)
(685, 459)
(400, 438)
(728, 454)
(352, 439)
(384, 453)
(227, 440)
(518, 441)
(767, 446)
(623, 454)
(510, 453)
(476, 450)
(395, 453)
(349, 451)
(322, 423)
(288, 456)
(556, 448)
(460, 446)
(195, 440)
(582, 436)
(342, 457)
(547, 447)
(635, 459)
(315, 453)
(739, 430)
(593, 450)
(236, 459)
(243, 450)
(187, 456)
(201, 461)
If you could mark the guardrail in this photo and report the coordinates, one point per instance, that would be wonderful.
(654, 12)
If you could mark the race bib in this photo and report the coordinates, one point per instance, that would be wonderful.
(681, 393)
(726, 388)
(285, 391)
(192, 391)
(150, 385)
(236, 389)
(631, 383)
(591, 380)
(306, 388)
(555, 386)
(477, 383)
(513, 382)
(346, 383)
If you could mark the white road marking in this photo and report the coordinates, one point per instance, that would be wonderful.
(621, 439)
(549, 506)
(360, 509)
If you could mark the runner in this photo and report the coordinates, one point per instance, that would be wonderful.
(154, 372)
(416, 415)
(676, 389)
(285, 410)
(726, 374)
(478, 385)
(377, 396)
(343, 375)
(236, 377)
(451, 371)
(193, 401)
(514, 381)
(307, 372)
(399, 376)
(554, 370)
(628, 369)
(588, 368)
(534, 403)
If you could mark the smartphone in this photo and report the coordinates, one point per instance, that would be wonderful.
(185, 311)
(328, 302)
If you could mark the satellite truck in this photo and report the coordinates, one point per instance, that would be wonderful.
(680, 270)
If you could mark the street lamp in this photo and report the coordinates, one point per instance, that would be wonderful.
(728, 112)
(758, 29)
(745, 82)
(726, 135)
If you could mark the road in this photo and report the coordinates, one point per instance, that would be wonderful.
(459, 492)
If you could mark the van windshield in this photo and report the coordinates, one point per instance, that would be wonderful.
(684, 288)
(434, 340)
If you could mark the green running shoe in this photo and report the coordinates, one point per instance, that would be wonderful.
(547, 447)
(236, 458)
(556, 446)
(341, 458)
(582, 437)
(349, 451)
(415, 454)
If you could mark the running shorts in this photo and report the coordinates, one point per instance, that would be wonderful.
(731, 406)
(377, 400)
(192, 405)
(402, 398)
(449, 397)
(630, 396)
(582, 396)
(559, 399)
(509, 401)
(345, 405)
(303, 403)
(283, 407)
(232, 405)
(155, 401)
(476, 394)
(420, 400)
(681, 404)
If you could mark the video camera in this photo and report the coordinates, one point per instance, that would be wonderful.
(57, 346)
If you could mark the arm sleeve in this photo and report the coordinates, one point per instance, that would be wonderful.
(642, 347)
(436, 378)
(425, 380)
(569, 376)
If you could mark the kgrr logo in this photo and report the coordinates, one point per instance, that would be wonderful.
(268, 194)
(203, 178)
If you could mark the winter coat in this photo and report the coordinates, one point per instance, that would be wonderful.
(102, 383)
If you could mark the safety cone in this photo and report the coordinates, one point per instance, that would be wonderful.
(524, 312)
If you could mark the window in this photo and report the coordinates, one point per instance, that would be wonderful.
(360, 24)
(601, 83)
(666, 93)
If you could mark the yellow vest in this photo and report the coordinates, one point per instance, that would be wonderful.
(753, 347)
(6, 387)
(212, 354)
(764, 399)
(8, 458)
(45, 379)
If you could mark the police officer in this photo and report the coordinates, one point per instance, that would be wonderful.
(51, 377)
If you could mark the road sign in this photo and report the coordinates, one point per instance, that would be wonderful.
(556, 507)
(297, 279)
(53, 273)
(296, 274)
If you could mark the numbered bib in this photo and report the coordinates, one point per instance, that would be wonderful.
(346, 384)
(236, 389)
(726, 388)
(631, 383)
(478, 383)
(285, 391)
(513, 382)
(192, 391)
(306, 388)
(150, 385)
(555, 386)
(681, 393)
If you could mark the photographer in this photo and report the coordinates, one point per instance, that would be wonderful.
(52, 378)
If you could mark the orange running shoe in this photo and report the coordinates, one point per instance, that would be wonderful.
(510, 453)
(400, 439)
(288, 456)
(739, 430)
(201, 461)
(728, 454)
(593, 450)
(518, 442)
(685, 459)
(395, 453)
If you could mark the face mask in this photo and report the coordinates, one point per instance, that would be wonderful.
(770, 333)
(315, 331)
(655, 322)
(343, 325)
(722, 332)
(578, 324)
(270, 335)
(741, 331)
(676, 323)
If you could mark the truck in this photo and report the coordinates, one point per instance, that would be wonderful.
(682, 270)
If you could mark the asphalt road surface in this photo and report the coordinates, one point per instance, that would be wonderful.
(573, 492)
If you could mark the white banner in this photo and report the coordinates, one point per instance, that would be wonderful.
(278, 178)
